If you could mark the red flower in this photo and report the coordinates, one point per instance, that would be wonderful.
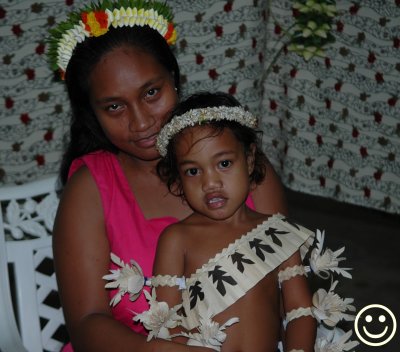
(30, 74)
(17, 30)
(396, 42)
(371, 57)
(363, 152)
(40, 159)
(392, 101)
(330, 163)
(48, 136)
(228, 6)
(327, 62)
(378, 117)
(355, 132)
(199, 59)
(219, 30)
(272, 104)
(285, 89)
(339, 26)
(322, 181)
(261, 57)
(354, 9)
(25, 119)
(379, 77)
(328, 103)
(293, 72)
(367, 192)
(213, 74)
(311, 120)
(338, 86)
(2, 12)
(319, 140)
(69, 2)
(378, 175)
(253, 42)
(277, 29)
(232, 89)
(9, 102)
(40, 49)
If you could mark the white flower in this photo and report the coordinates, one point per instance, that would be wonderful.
(323, 261)
(330, 308)
(335, 340)
(159, 318)
(199, 116)
(129, 279)
(210, 334)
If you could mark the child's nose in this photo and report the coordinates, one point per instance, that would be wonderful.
(211, 181)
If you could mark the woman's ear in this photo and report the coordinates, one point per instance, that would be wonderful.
(251, 158)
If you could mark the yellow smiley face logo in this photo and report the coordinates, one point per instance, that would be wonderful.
(375, 325)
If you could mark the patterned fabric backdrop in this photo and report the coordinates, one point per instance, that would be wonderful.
(331, 125)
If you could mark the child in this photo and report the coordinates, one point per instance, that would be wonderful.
(212, 158)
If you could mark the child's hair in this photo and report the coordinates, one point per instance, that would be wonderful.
(167, 168)
(86, 134)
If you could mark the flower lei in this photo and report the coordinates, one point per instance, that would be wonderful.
(96, 19)
(200, 116)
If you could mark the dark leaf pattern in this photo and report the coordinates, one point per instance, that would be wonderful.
(239, 260)
(220, 277)
(196, 293)
(260, 248)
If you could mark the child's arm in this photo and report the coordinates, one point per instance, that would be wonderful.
(300, 331)
(169, 260)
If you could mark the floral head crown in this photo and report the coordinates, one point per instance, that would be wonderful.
(202, 116)
(96, 19)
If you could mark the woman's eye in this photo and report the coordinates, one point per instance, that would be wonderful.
(151, 92)
(113, 107)
(225, 163)
(191, 172)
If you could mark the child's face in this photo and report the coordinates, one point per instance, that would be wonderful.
(214, 171)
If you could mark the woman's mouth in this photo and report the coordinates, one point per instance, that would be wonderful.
(147, 142)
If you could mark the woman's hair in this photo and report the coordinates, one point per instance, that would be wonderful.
(86, 134)
(167, 167)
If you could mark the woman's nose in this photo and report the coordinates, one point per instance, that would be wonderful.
(140, 120)
(211, 181)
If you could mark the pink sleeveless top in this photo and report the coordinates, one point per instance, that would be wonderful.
(130, 234)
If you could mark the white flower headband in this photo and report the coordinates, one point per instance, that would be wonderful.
(199, 117)
(95, 20)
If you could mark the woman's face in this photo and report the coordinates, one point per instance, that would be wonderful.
(132, 95)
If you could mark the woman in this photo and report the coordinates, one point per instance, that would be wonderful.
(123, 82)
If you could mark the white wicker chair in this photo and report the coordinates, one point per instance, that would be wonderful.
(30, 314)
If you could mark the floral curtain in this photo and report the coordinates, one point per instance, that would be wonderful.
(331, 125)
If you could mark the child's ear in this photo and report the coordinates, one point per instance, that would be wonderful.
(251, 158)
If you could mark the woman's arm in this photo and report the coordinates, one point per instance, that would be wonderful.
(269, 196)
(82, 255)
(300, 332)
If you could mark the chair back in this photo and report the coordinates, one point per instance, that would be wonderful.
(31, 317)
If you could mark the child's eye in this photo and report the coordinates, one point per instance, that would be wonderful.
(225, 164)
(192, 171)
